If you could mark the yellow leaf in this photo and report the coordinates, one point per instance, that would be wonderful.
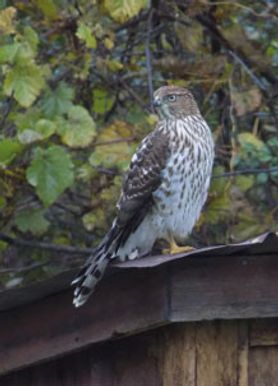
(218, 209)
(110, 194)
(244, 182)
(122, 10)
(117, 152)
(247, 225)
(95, 219)
(218, 206)
(109, 44)
(6, 20)
(114, 65)
(84, 33)
(249, 138)
(86, 173)
(218, 185)
(152, 119)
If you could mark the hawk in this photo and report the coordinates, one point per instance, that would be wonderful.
(163, 191)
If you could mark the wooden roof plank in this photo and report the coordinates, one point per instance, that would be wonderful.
(225, 288)
(124, 304)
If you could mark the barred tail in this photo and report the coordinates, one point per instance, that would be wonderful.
(95, 266)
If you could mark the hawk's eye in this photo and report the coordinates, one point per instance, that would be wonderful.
(171, 98)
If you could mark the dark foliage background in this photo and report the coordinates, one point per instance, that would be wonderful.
(77, 80)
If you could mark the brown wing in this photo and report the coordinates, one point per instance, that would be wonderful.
(143, 178)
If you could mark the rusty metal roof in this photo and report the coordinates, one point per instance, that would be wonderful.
(264, 244)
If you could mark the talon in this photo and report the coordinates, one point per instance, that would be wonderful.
(174, 248)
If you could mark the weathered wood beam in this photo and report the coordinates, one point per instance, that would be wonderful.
(229, 287)
(124, 304)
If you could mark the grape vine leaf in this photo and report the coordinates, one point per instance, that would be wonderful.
(25, 82)
(32, 220)
(50, 172)
(79, 129)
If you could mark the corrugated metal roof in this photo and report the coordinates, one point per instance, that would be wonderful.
(263, 244)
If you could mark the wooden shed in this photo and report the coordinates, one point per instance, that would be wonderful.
(208, 318)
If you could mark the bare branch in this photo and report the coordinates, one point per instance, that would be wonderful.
(135, 96)
(246, 171)
(110, 172)
(265, 14)
(255, 79)
(6, 112)
(23, 269)
(116, 140)
(216, 33)
(42, 245)
(149, 58)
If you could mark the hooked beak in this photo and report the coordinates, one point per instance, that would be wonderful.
(157, 102)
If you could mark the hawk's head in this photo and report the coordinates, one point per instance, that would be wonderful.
(174, 102)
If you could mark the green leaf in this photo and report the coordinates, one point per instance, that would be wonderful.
(85, 34)
(244, 182)
(43, 129)
(3, 245)
(122, 10)
(29, 136)
(249, 138)
(31, 37)
(25, 83)
(58, 101)
(48, 8)
(218, 208)
(24, 55)
(50, 173)
(79, 129)
(32, 220)
(27, 119)
(102, 101)
(9, 148)
(8, 52)
(262, 178)
(3, 202)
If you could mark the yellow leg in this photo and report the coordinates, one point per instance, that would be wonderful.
(174, 248)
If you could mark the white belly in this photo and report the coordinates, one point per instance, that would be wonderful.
(181, 210)
(180, 198)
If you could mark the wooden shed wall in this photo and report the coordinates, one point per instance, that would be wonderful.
(218, 353)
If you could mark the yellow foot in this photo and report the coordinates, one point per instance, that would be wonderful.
(174, 248)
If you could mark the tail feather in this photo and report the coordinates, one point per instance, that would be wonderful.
(94, 268)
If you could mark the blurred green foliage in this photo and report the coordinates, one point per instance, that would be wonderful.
(75, 101)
